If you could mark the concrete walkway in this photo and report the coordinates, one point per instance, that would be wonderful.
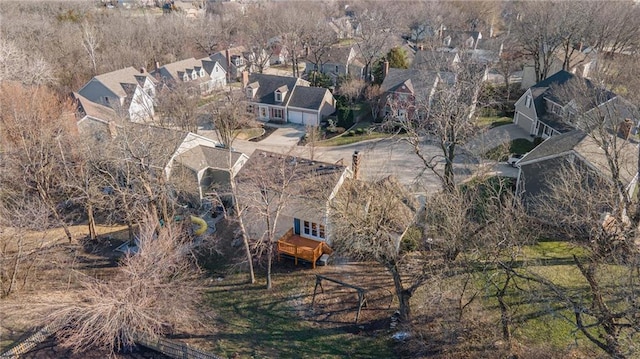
(494, 137)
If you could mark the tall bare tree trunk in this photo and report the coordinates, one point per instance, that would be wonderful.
(404, 295)
(91, 222)
(243, 231)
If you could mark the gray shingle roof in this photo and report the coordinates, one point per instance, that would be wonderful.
(201, 157)
(268, 84)
(305, 177)
(308, 97)
(433, 60)
(95, 110)
(417, 81)
(554, 145)
(114, 80)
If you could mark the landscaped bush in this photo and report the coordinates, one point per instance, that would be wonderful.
(352, 133)
(360, 130)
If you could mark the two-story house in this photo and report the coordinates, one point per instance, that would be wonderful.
(407, 92)
(128, 91)
(300, 190)
(204, 74)
(335, 61)
(287, 99)
(545, 109)
(236, 60)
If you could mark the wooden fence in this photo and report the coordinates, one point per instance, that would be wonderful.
(31, 342)
(174, 349)
(170, 348)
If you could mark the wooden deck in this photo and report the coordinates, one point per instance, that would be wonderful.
(303, 248)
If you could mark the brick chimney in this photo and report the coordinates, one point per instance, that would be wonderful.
(624, 129)
(143, 70)
(228, 55)
(245, 79)
(355, 164)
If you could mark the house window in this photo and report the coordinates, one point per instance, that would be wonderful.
(528, 101)
(337, 69)
(249, 92)
(402, 114)
(314, 229)
(278, 96)
(106, 100)
(201, 72)
(263, 112)
(185, 78)
(249, 108)
(194, 75)
(277, 113)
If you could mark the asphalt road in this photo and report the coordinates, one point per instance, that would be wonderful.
(390, 156)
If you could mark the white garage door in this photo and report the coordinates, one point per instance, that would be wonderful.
(296, 117)
(310, 119)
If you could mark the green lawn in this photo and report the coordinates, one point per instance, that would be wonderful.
(493, 121)
(501, 153)
(539, 318)
(256, 323)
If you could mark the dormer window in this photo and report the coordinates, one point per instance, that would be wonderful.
(201, 72)
(185, 77)
(249, 92)
(527, 101)
(194, 75)
(280, 93)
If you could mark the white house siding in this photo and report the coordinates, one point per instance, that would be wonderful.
(141, 107)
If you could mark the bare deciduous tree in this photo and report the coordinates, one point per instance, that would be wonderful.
(154, 292)
(368, 221)
(265, 186)
(37, 143)
(178, 106)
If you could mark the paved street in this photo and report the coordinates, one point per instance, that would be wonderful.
(383, 157)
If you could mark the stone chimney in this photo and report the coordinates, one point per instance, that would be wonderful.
(355, 164)
(157, 65)
(143, 70)
(245, 79)
(386, 67)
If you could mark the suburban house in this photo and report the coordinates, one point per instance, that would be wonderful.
(335, 61)
(461, 40)
(195, 164)
(279, 54)
(407, 92)
(345, 27)
(542, 165)
(205, 74)
(128, 91)
(300, 190)
(435, 60)
(544, 109)
(236, 60)
(207, 168)
(580, 62)
(287, 99)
